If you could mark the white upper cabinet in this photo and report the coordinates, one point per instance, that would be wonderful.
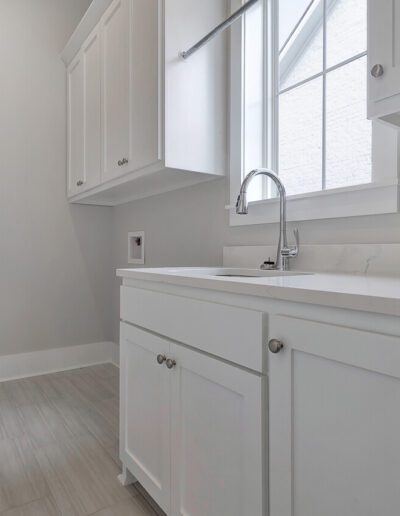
(163, 120)
(92, 115)
(84, 117)
(384, 60)
(115, 33)
(334, 396)
(146, 78)
(195, 89)
(75, 126)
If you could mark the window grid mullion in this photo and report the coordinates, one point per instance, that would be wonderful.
(273, 99)
(324, 57)
(320, 74)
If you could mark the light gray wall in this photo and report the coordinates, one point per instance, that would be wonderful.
(55, 259)
(190, 227)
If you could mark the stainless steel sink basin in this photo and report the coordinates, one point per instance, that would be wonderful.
(255, 273)
(225, 272)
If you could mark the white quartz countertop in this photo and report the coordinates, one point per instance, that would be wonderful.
(377, 294)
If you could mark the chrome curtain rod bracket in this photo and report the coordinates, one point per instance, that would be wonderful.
(221, 27)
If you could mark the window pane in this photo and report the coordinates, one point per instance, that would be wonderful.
(348, 132)
(253, 97)
(300, 138)
(291, 11)
(301, 56)
(346, 30)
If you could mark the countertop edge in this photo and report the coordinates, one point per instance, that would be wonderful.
(324, 297)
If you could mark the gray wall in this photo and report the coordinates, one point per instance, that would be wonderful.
(56, 268)
(190, 227)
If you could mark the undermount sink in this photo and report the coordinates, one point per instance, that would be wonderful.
(225, 272)
(255, 273)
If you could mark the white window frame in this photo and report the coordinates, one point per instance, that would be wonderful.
(381, 196)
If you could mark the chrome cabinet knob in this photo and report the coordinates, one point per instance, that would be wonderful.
(79, 183)
(122, 161)
(377, 71)
(275, 346)
(161, 359)
(170, 363)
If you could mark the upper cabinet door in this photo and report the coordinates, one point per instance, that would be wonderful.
(75, 126)
(216, 432)
(84, 129)
(115, 31)
(146, 80)
(334, 397)
(383, 48)
(92, 110)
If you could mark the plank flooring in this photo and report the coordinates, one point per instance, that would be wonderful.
(59, 447)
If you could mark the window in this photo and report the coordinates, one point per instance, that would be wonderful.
(303, 101)
(324, 134)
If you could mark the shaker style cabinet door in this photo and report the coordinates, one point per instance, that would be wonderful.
(75, 126)
(216, 432)
(145, 411)
(84, 129)
(383, 48)
(334, 398)
(92, 113)
(115, 33)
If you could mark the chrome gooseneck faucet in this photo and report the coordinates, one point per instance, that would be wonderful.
(284, 252)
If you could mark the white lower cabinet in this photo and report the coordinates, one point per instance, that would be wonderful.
(192, 434)
(216, 432)
(145, 412)
(334, 398)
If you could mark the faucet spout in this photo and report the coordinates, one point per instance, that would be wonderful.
(284, 252)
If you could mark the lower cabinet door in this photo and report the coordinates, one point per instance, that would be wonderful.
(334, 410)
(216, 435)
(145, 412)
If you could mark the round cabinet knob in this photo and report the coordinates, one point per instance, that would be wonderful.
(79, 183)
(120, 163)
(170, 363)
(275, 345)
(377, 71)
(161, 359)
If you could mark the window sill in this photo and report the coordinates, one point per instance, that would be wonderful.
(371, 199)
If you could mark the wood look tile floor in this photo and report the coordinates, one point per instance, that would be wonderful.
(59, 447)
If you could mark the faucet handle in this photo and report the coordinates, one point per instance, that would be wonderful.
(297, 238)
(291, 251)
(294, 250)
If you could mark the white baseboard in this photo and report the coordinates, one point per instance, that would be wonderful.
(24, 365)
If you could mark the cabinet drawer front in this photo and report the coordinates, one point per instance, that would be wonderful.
(231, 333)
